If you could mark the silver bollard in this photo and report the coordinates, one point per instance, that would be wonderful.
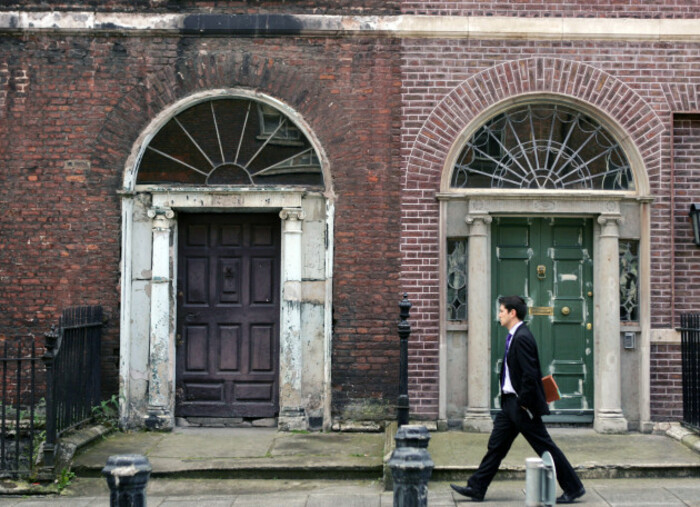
(127, 476)
(411, 466)
(540, 481)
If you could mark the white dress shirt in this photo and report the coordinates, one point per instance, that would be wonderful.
(507, 384)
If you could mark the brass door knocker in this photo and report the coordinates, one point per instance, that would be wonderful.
(541, 271)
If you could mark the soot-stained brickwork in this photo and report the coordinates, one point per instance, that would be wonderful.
(73, 108)
(220, 6)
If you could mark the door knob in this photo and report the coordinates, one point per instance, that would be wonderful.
(566, 310)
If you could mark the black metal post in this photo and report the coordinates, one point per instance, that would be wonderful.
(404, 333)
(48, 358)
(411, 466)
(127, 476)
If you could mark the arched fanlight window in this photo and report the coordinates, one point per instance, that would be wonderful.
(542, 146)
(230, 141)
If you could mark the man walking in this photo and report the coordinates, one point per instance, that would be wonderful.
(522, 406)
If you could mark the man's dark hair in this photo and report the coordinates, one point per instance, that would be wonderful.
(514, 303)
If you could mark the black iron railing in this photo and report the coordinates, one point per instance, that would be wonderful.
(690, 358)
(20, 424)
(72, 360)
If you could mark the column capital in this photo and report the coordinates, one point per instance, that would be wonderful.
(161, 217)
(292, 214)
(611, 224)
(478, 223)
(484, 218)
(606, 218)
(292, 218)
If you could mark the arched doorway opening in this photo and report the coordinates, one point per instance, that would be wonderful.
(550, 192)
(226, 265)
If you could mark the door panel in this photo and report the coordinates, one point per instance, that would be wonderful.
(228, 315)
(549, 262)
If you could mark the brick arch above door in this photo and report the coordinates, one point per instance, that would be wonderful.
(134, 110)
(574, 81)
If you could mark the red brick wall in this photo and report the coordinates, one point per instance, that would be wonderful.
(548, 8)
(686, 160)
(60, 222)
(87, 99)
(447, 83)
(666, 383)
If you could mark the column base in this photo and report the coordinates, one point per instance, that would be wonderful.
(610, 421)
(158, 419)
(478, 420)
(292, 418)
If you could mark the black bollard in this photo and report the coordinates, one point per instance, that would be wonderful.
(127, 476)
(411, 466)
(404, 332)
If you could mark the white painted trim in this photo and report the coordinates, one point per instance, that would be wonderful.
(328, 316)
(125, 310)
(413, 26)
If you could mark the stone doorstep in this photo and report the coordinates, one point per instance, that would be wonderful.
(225, 422)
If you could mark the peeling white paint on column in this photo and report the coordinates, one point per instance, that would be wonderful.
(160, 399)
(124, 324)
(292, 415)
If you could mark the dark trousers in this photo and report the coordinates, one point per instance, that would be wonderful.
(509, 422)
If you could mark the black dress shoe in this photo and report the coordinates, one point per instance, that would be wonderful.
(475, 495)
(570, 497)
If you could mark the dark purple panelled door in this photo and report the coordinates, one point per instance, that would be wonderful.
(228, 315)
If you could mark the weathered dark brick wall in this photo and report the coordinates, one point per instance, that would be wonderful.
(74, 106)
(666, 383)
(447, 83)
(60, 221)
(548, 8)
(229, 6)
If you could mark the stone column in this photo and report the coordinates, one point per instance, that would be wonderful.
(477, 416)
(292, 414)
(608, 410)
(160, 364)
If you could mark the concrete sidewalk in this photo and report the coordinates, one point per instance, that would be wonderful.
(259, 466)
(349, 493)
(261, 453)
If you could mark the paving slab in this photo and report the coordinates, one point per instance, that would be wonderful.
(137, 442)
(212, 443)
(242, 452)
(457, 454)
(272, 493)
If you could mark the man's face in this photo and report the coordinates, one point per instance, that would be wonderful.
(505, 317)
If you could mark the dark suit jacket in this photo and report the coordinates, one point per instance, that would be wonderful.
(525, 372)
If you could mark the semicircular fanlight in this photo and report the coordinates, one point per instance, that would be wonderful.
(542, 146)
(231, 141)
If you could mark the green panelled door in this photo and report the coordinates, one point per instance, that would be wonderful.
(549, 261)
